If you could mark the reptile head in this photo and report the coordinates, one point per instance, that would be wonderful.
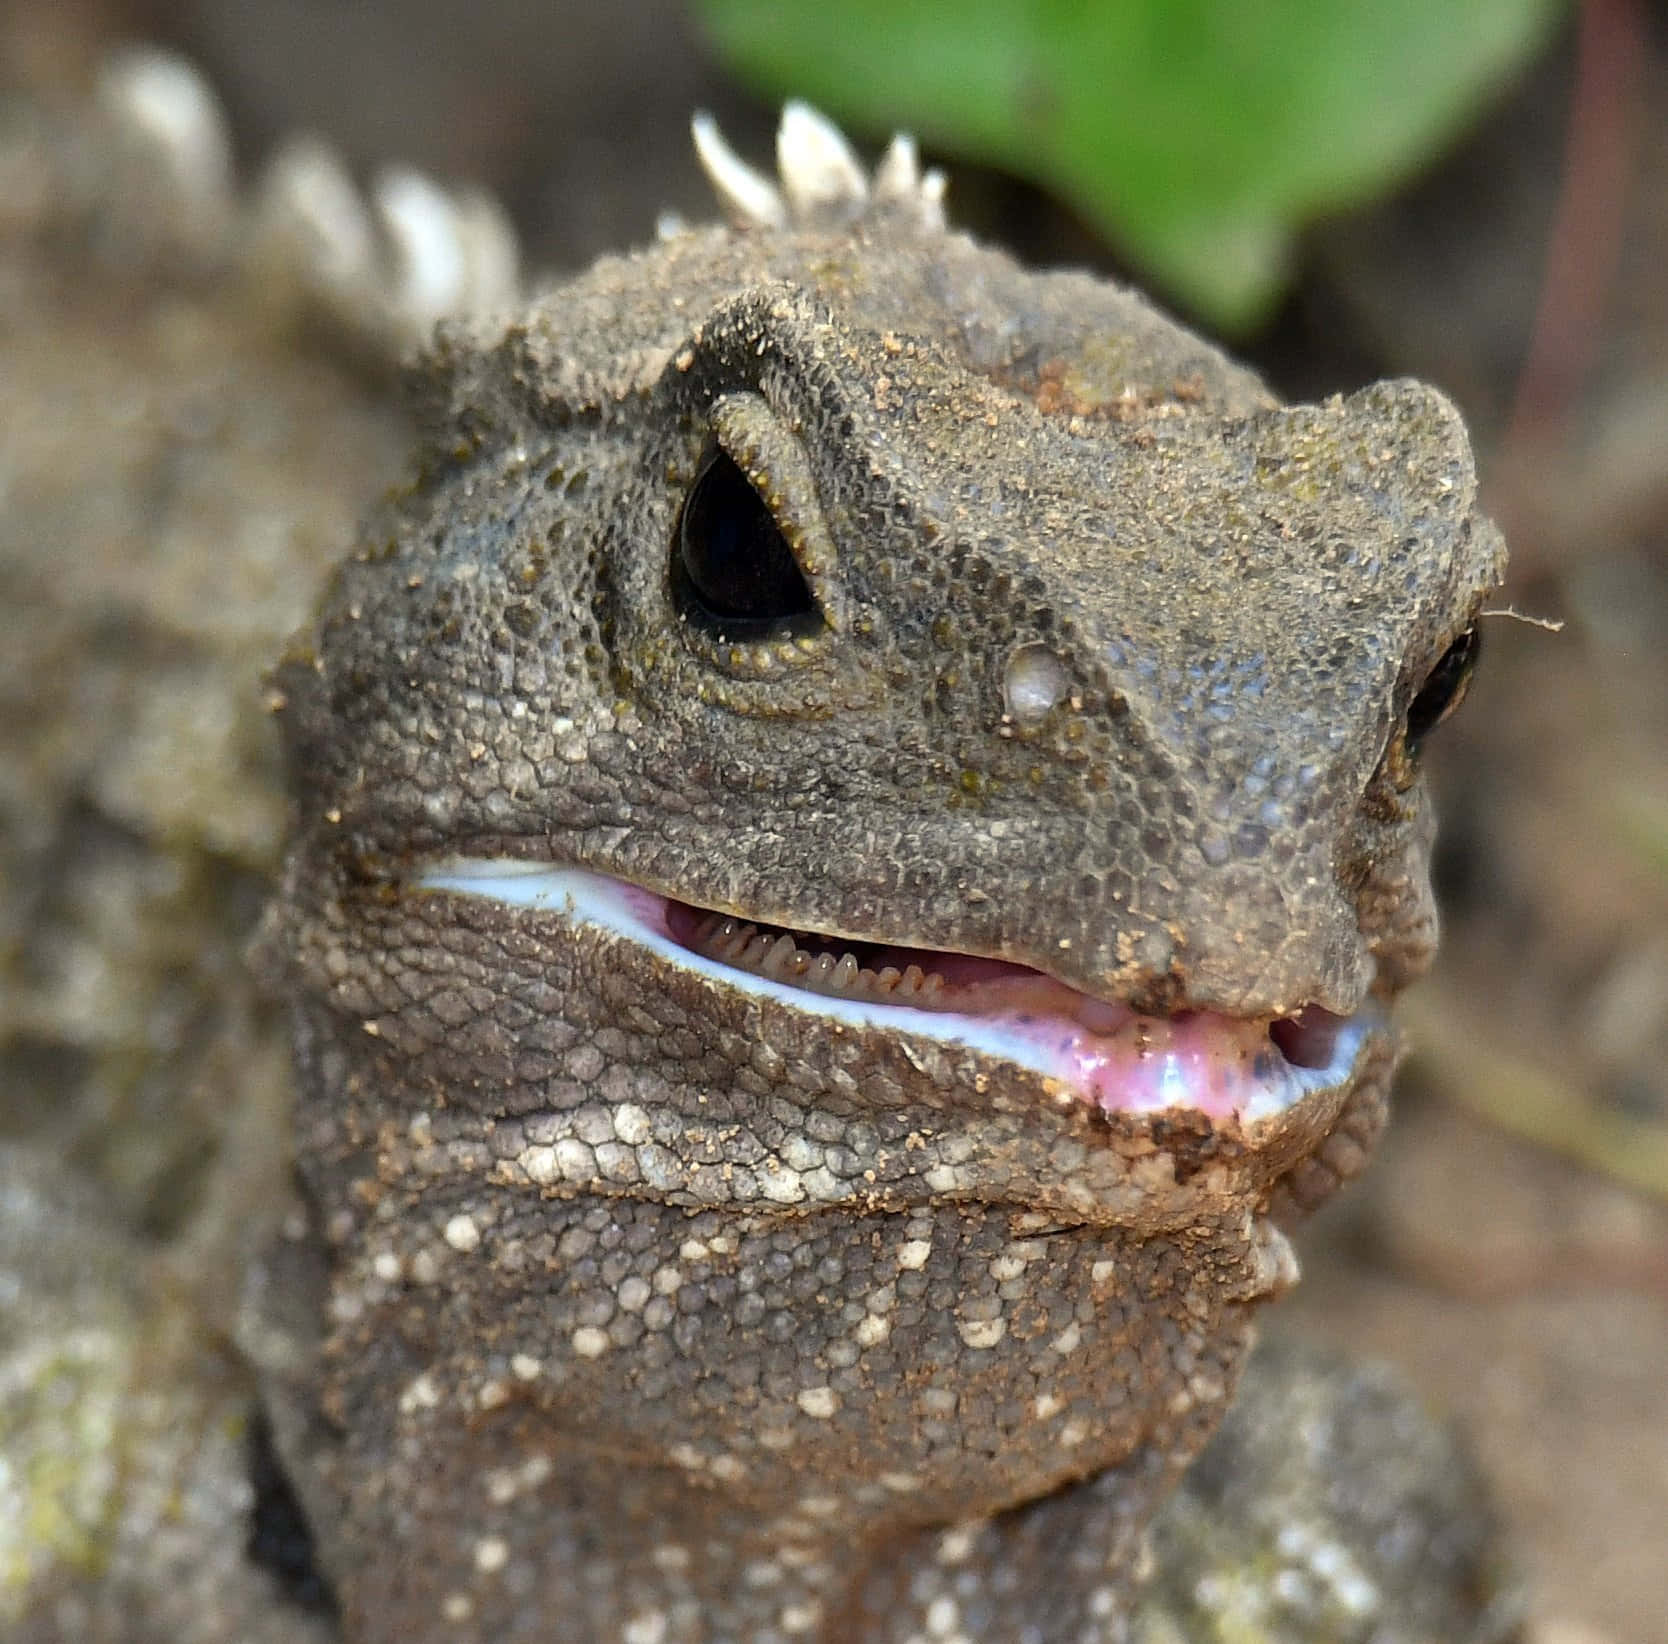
(853, 625)
(853, 760)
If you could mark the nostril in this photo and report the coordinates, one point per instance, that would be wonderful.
(1308, 1039)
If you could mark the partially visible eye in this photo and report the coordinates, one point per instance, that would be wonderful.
(731, 563)
(1444, 689)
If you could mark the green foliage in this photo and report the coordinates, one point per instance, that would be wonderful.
(1197, 134)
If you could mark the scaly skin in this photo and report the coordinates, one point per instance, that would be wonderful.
(647, 1304)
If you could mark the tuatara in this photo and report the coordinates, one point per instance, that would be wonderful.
(857, 823)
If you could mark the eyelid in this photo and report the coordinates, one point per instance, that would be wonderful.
(778, 468)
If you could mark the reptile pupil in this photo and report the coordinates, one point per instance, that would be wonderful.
(1444, 689)
(735, 564)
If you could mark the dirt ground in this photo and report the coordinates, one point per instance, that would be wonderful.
(1509, 1250)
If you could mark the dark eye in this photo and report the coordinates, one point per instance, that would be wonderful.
(1444, 690)
(731, 563)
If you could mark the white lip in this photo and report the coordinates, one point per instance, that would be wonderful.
(1179, 1067)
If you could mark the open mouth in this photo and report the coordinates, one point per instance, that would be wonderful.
(1100, 1052)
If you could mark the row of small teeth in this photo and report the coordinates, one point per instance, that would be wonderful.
(777, 956)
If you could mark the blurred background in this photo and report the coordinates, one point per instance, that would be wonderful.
(1471, 191)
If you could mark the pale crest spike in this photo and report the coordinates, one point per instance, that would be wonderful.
(170, 125)
(898, 176)
(420, 223)
(820, 173)
(312, 217)
(748, 197)
(492, 253)
(162, 100)
(933, 187)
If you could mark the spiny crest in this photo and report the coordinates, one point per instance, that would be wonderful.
(382, 264)
(820, 182)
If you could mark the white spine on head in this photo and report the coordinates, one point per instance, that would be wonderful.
(898, 175)
(392, 267)
(748, 197)
(821, 182)
(820, 174)
(161, 100)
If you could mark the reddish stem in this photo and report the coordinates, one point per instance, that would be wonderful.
(1585, 241)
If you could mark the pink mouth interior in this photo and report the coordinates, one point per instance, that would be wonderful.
(1115, 1057)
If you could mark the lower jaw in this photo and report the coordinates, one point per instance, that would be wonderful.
(1104, 1054)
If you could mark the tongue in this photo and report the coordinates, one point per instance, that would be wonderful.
(1215, 1064)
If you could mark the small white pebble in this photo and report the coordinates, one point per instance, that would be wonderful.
(524, 1367)
(818, 1402)
(492, 1553)
(462, 1234)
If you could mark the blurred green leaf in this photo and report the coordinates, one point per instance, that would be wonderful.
(1198, 134)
